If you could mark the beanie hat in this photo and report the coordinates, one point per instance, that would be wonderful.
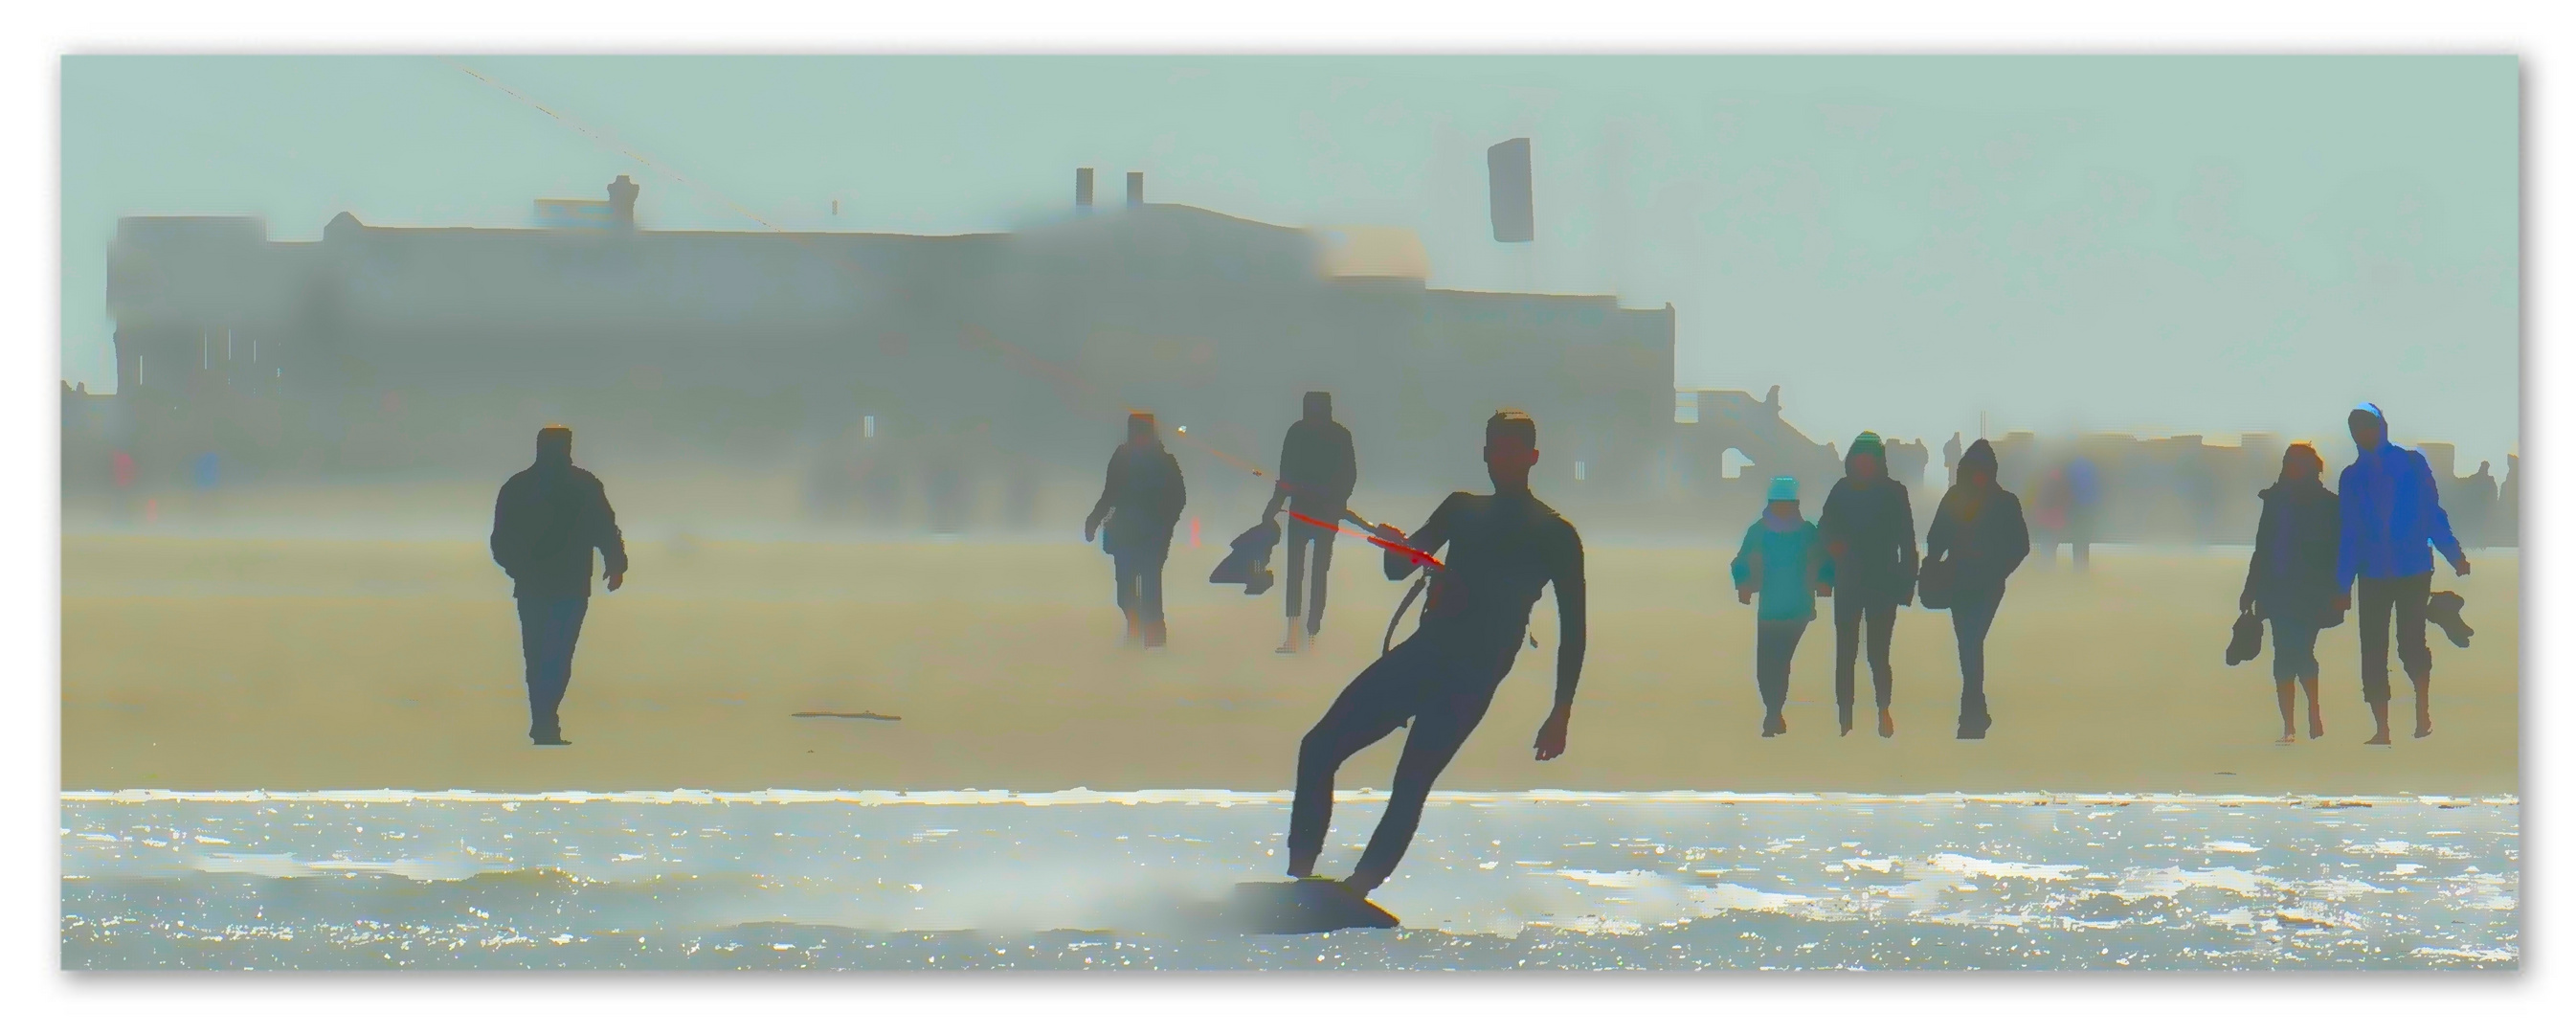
(1784, 489)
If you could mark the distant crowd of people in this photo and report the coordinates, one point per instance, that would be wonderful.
(2315, 552)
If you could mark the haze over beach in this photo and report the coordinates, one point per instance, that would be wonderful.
(230, 665)
(2201, 245)
(781, 388)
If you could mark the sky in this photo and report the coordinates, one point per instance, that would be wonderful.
(2161, 245)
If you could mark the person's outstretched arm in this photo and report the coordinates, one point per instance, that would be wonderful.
(2263, 531)
(1820, 567)
(1346, 470)
(2016, 540)
(1109, 486)
(1433, 534)
(1833, 522)
(2348, 553)
(605, 536)
(509, 538)
(1908, 558)
(2438, 522)
(1936, 541)
(1565, 572)
(1279, 485)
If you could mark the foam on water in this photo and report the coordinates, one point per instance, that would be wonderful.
(1082, 879)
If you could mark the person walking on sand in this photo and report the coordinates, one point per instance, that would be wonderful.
(1141, 500)
(545, 524)
(1503, 549)
(1868, 529)
(2290, 581)
(2392, 523)
(1978, 538)
(1783, 559)
(1317, 471)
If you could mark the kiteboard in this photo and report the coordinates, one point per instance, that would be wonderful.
(1301, 907)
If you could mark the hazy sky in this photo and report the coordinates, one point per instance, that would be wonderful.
(2155, 244)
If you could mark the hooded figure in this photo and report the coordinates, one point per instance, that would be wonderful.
(1978, 537)
(2290, 581)
(547, 521)
(1140, 499)
(2392, 523)
(1784, 560)
(1317, 471)
(1868, 529)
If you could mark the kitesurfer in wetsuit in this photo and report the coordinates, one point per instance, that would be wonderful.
(1502, 549)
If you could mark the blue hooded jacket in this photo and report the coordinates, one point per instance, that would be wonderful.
(2392, 514)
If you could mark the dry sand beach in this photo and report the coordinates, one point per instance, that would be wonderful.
(231, 664)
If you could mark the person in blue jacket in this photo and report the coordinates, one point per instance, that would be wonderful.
(2392, 523)
(1784, 559)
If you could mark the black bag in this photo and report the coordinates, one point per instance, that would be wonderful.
(2247, 641)
(1247, 561)
(1933, 586)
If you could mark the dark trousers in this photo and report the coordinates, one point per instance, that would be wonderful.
(1851, 611)
(548, 629)
(1302, 535)
(1774, 643)
(1443, 683)
(2294, 650)
(1972, 615)
(2405, 597)
(1140, 582)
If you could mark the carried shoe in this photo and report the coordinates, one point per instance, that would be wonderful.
(2443, 611)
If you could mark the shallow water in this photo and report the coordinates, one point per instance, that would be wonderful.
(1102, 881)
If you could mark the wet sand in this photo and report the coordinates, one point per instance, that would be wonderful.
(228, 664)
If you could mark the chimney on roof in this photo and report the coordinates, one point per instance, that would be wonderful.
(1082, 190)
(621, 202)
(1135, 190)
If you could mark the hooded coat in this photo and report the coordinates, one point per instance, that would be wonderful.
(2392, 514)
(1980, 528)
(1142, 498)
(1868, 529)
(547, 521)
(1318, 468)
(2295, 548)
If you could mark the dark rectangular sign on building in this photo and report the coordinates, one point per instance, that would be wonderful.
(1507, 166)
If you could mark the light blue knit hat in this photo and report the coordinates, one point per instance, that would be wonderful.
(1784, 489)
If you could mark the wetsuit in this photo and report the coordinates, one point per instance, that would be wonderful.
(1502, 549)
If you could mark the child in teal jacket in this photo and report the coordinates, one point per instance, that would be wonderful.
(1783, 559)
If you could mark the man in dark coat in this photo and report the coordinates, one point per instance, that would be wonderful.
(1317, 470)
(1868, 529)
(1141, 499)
(547, 521)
